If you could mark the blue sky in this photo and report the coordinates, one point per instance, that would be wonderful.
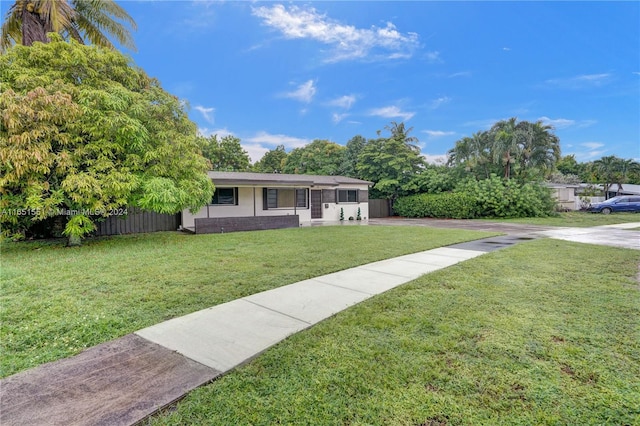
(287, 73)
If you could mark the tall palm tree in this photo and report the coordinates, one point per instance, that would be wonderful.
(28, 21)
(400, 132)
(614, 170)
(606, 168)
(506, 143)
(470, 151)
(540, 148)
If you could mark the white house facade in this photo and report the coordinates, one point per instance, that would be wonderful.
(246, 201)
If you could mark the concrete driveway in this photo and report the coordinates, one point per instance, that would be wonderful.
(619, 235)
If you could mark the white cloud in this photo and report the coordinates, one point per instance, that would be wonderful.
(592, 145)
(506, 49)
(586, 151)
(345, 102)
(207, 113)
(434, 57)
(437, 103)
(435, 159)
(558, 123)
(278, 139)
(460, 74)
(392, 112)
(255, 151)
(580, 81)
(438, 133)
(206, 132)
(304, 93)
(336, 118)
(563, 123)
(347, 41)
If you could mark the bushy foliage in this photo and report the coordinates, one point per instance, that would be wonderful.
(497, 197)
(493, 197)
(454, 205)
(320, 157)
(392, 164)
(435, 179)
(83, 130)
(226, 154)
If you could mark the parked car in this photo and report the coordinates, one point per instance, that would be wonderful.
(624, 203)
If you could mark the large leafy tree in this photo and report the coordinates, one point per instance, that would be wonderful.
(354, 148)
(29, 21)
(320, 157)
(272, 161)
(84, 132)
(393, 164)
(225, 154)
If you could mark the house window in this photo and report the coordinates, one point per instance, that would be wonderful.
(282, 198)
(225, 197)
(347, 195)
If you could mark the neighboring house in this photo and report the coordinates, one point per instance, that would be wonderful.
(249, 201)
(566, 195)
(571, 197)
(624, 189)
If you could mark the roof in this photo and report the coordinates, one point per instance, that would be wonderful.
(246, 178)
(627, 188)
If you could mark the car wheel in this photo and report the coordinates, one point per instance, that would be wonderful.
(606, 210)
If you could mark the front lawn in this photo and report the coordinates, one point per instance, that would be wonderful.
(543, 333)
(575, 219)
(56, 301)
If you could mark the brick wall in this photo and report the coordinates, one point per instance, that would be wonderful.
(221, 225)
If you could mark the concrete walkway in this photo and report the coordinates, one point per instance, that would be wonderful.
(126, 380)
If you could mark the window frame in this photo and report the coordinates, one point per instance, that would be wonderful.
(347, 191)
(216, 196)
(270, 195)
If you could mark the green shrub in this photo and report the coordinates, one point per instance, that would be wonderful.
(497, 197)
(455, 205)
(493, 197)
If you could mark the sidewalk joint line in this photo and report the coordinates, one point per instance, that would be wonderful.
(277, 312)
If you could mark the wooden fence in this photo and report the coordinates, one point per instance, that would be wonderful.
(137, 221)
(378, 208)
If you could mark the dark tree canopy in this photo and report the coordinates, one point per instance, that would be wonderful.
(320, 157)
(393, 164)
(354, 148)
(272, 162)
(226, 154)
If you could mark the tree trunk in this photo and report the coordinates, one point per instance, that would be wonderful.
(74, 241)
(33, 28)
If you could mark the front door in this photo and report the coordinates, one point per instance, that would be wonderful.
(316, 204)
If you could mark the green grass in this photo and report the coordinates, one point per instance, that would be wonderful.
(575, 219)
(56, 301)
(545, 332)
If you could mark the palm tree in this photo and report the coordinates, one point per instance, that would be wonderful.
(606, 168)
(614, 170)
(506, 143)
(539, 150)
(28, 21)
(399, 132)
